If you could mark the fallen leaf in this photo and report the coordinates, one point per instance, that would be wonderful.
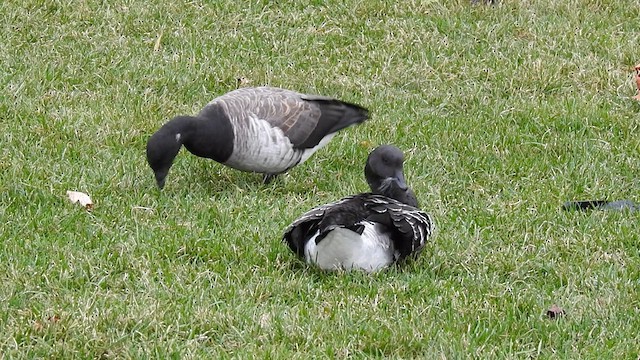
(41, 325)
(80, 197)
(555, 312)
(156, 45)
(242, 82)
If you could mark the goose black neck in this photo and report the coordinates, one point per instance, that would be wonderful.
(374, 181)
(208, 135)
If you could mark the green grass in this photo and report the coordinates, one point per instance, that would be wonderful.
(504, 113)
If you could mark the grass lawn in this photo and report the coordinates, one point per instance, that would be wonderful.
(504, 112)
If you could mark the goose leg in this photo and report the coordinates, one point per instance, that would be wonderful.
(267, 178)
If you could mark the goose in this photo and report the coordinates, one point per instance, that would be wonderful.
(368, 231)
(265, 130)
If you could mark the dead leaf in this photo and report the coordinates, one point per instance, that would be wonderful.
(637, 68)
(80, 197)
(156, 45)
(242, 82)
(555, 312)
(42, 325)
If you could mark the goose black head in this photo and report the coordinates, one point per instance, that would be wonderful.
(163, 146)
(384, 173)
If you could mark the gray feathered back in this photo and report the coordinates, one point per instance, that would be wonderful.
(304, 119)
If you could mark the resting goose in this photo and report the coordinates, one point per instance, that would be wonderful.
(262, 129)
(368, 231)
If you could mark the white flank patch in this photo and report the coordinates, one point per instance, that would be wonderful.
(268, 150)
(307, 153)
(345, 249)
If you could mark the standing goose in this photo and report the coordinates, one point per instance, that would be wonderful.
(263, 129)
(368, 231)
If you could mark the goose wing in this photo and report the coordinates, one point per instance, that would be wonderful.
(304, 119)
(412, 227)
(310, 222)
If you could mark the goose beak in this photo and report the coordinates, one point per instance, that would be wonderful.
(399, 178)
(161, 177)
